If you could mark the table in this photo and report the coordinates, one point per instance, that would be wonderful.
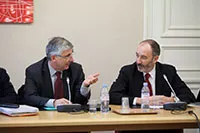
(53, 121)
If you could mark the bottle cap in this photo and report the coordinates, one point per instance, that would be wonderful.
(104, 85)
(145, 84)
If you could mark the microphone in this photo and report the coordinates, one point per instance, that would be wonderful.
(69, 92)
(177, 105)
(67, 75)
(177, 99)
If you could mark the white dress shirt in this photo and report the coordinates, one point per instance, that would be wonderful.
(84, 90)
(152, 80)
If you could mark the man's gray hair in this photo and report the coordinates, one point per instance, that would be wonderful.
(56, 46)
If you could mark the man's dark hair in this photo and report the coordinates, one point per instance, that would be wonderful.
(154, 46)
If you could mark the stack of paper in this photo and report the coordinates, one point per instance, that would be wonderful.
(23, 110)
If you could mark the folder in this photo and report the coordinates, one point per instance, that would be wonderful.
(23, 110)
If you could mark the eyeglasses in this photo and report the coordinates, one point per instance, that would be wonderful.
(65, 57)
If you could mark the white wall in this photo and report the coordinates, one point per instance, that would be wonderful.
(105, 34)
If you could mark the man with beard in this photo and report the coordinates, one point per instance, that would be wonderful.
(57, 79)
(131, 77)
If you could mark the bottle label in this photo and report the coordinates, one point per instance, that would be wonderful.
(105, 106)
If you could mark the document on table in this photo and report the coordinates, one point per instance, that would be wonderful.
(23, 110)
(156, 106)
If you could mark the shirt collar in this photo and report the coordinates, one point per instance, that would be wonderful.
(51, 69)
(152, 72)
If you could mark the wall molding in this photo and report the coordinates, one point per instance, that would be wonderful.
(189, 69)
(148, 21)
(194, 83)
(177, 31)
(168, 30)
(182, 27)
(180, 47)
(187, 47)
(160, 24)
(192, 80)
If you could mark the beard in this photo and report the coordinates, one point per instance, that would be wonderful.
(140, 67)
(145, 68)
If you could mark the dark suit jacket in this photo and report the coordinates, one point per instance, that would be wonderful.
(38, 86)
(130, 81)
(7, 91)
(198, 97)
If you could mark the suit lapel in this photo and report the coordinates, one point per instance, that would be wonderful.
(71, 82)
(138, 80)
(162, 87)
(47, 83)
(159, 81)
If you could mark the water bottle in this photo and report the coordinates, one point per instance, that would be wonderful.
(145, 96)
(104, 98)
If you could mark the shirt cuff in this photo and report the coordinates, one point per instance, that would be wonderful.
(134, 101)
(49, 103)
(84, 90)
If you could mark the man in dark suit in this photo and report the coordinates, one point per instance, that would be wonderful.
(7, 91)
(198, 97)
(42, 82)
(131, 77)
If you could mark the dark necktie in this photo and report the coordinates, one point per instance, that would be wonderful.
(58, 86)
(147, 75)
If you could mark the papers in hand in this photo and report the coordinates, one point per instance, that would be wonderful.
(23, 110)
